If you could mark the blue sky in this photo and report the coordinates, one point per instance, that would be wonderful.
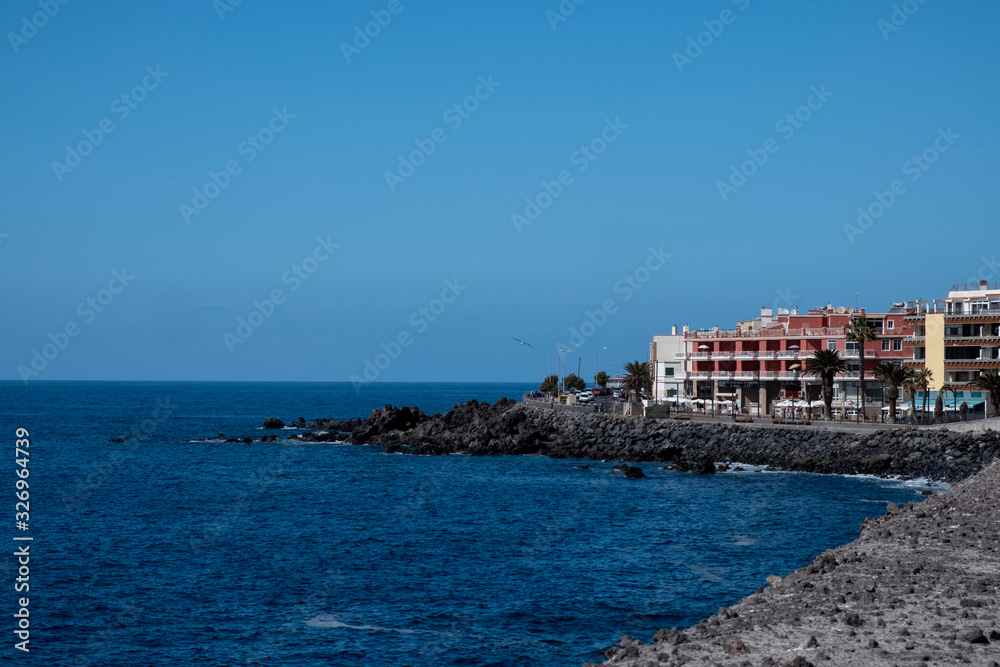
(335, 128)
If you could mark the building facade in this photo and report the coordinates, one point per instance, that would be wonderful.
(763, 360)
(957, 337)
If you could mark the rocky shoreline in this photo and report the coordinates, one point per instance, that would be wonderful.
(511, 428)
(921, 585)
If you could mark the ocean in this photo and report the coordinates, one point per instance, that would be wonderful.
(165, 549)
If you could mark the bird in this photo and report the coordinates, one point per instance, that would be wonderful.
(522, 342)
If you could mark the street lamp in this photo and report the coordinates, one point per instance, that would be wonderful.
(796, 368)
(597, 356)
(711, 382)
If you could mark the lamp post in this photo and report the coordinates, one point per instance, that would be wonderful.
(597, 359)
(711, 382)
(797, 368)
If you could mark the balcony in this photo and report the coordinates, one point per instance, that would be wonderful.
(788, 354)
(768, 375)
(723, 375)
(699, 355)
(767, 354)
(681, 355)
(854, 354)
(745, 375)
(722, 356)
(746, 355)
(698, 375)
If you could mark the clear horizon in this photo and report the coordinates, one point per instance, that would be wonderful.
(212, 191)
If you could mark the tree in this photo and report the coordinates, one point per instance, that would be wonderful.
(894, 376)
(912, 385)
(939, 408)
(945, 388)
(638, 378)
(550, 385)
(826, 364)
(601, 379)
(861, 330)
(990, 381)
(922, 381)
(574, 381)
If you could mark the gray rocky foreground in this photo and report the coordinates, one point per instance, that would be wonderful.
(921, 585)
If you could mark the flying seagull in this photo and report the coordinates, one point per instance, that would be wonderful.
(522, 342)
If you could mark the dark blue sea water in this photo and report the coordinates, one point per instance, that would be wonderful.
(165, 551)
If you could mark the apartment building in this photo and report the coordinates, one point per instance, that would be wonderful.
(763, 360)
(957, 338)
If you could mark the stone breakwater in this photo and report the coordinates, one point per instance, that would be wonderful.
(921, 585)
(509, 427)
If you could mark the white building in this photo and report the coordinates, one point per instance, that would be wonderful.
(669, 364)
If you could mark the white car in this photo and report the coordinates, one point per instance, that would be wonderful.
(585, 396)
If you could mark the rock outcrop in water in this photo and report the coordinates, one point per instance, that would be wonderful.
(509, 427)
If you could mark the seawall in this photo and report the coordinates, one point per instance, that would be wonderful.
(508, 427)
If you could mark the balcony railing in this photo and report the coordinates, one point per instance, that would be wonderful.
(746, 355)
(699, 355)
(852, 354)
(681, 355)
(722, 356)
(767, 333)
(767, 354)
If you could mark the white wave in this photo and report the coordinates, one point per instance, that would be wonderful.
(330, 621)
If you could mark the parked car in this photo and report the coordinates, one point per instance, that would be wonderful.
(601, 391)
(586, 396)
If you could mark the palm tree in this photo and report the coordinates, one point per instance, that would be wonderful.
(894, 376)
(861, 330)
(922, 381)
(826, 364)
(990, 381)
(912, 385)
(638, 377)
(945, 388)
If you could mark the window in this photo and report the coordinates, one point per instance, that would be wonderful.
(885, 344)
(852, 345)
(897, 344)
(668, 371)
(890, 324)
(976, 394)
(831, 345)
